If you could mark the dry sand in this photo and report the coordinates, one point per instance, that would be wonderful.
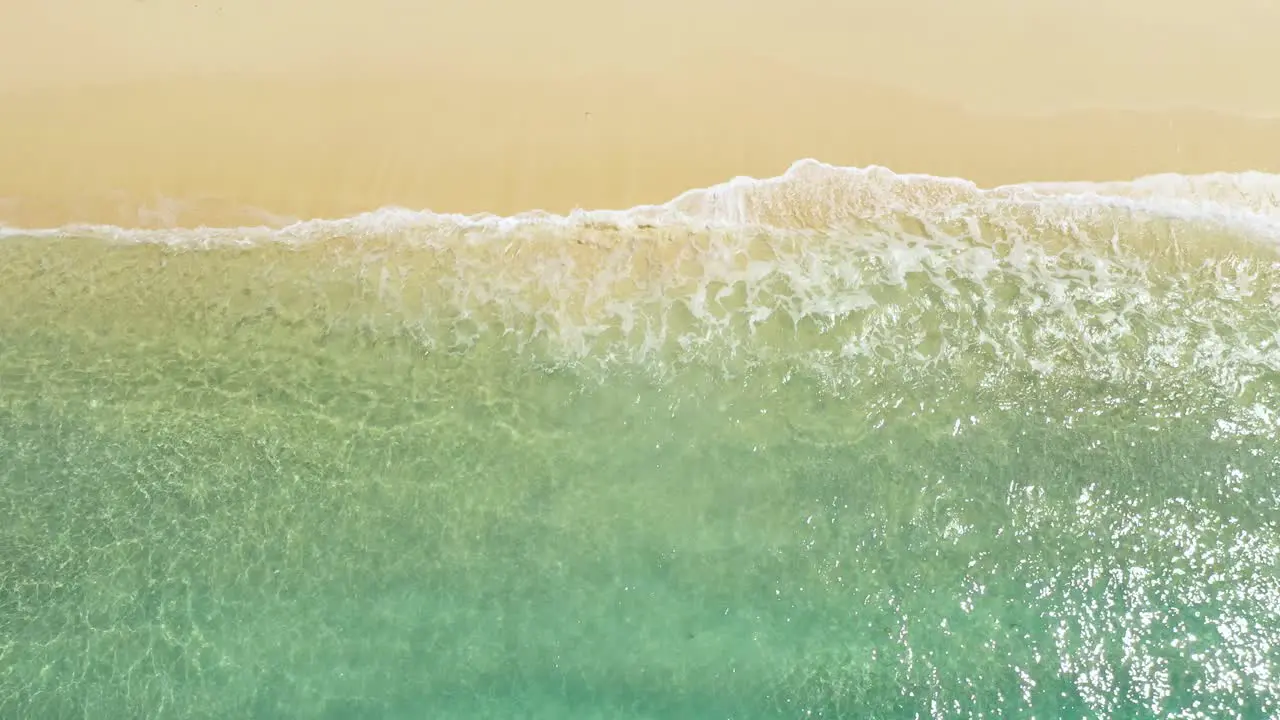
(112, 109)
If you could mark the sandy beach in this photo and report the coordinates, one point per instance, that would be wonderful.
(133, 112)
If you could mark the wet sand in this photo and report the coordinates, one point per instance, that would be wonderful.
(215, 113)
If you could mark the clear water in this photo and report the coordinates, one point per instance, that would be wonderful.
(1004, 464)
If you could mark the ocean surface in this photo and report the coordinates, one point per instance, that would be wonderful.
(837, 444)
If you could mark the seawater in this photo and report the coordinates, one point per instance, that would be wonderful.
(839, 444)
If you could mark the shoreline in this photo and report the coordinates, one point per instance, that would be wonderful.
(307, 145)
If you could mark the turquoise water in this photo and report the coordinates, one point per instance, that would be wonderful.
(884, 448)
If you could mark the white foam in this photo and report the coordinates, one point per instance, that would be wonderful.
(809, 195)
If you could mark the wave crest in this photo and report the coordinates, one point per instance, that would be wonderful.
(810, 195)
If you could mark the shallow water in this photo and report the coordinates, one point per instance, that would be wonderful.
(845, 444)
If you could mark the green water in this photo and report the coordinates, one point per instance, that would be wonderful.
(607, 473)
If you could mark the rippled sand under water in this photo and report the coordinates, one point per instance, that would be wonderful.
(841, 444)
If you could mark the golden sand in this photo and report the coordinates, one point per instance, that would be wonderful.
(115, 109)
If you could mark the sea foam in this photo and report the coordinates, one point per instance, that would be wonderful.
(810, 195)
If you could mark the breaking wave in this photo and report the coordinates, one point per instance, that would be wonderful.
(852, 271)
